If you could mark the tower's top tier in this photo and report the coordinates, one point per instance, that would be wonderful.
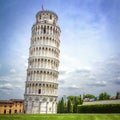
(46, 16)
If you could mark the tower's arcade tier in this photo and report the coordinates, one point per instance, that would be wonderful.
(42, 73)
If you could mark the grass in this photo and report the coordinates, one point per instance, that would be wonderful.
(61, 117)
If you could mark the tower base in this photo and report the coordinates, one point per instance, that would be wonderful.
(40, 104)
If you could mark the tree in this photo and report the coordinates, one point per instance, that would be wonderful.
(104, 96)
(65, 107)
(69, 106)
(62, 105)
(76, 102)
(80, 100)
(58, 107)
(90, 96)
(71, 98)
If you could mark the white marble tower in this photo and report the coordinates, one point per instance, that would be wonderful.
(42, 73)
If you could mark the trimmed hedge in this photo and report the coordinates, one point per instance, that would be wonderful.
(99, 108)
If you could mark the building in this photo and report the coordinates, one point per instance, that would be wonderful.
(42, 73)
(11, 106)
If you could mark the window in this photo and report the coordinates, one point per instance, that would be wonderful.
(50, 16)
(15, 111)
(4, 111)
(44, 30)
(10, 111)
(39, 91)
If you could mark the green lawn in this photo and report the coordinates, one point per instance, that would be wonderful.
(61, 117)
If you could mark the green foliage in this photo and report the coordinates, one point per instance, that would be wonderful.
(65, 107)
(69, 106)
(89, 96)
(71, 98)
(99, 108)
(104, 96)
(80, 100)
(61, 106)
(60, 117)
(58, 107)
(76, 100)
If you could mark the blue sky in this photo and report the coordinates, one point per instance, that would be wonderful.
(90, 42)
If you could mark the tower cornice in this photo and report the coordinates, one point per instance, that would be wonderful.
(46, 11)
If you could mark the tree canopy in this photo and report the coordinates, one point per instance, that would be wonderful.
(104, 96)
(89, 96)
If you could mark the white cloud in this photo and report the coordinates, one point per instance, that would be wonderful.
(12, 70)
(24, 57)
(99, 83)
(17, 77)
(13, 84)
(74, 86)
(104, 77)
(7, 85)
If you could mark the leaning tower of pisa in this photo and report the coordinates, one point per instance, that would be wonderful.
(41, 85)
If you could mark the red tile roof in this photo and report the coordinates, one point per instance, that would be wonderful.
(11, 100)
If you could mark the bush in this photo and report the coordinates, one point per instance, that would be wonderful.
(99, 108)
